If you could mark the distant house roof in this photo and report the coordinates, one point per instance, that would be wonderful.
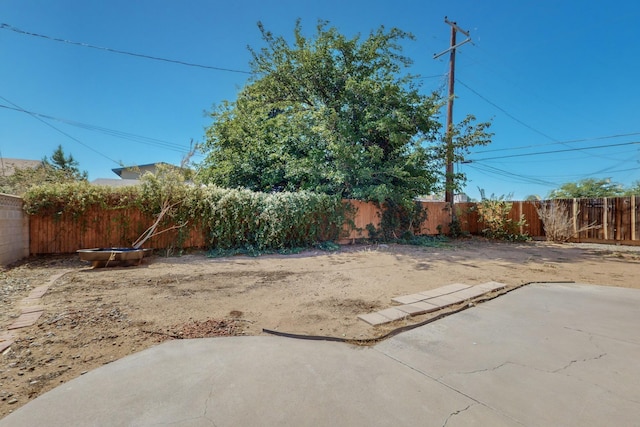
(457, 198)
(137, 170)
(8, 166)
(114, 182)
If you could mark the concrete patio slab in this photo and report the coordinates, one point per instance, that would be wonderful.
(245, 381)
(544, 354)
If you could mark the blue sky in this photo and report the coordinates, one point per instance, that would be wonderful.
(553, 76)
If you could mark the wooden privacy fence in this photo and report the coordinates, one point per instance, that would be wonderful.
(439, 219)
(604, 220)
(437, 222)
(104, 228)
(613, 220)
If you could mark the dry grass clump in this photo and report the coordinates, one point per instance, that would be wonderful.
(558, 222)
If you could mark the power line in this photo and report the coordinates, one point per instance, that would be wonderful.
(433, 76)
(566, 144)
(513, 176)
(123, 52)
(506, 113)
(60, 131)
(119, 134)
(523, 147)
(485, 169)
(556, 151)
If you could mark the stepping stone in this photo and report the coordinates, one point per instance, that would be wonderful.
(26, 319)
(57, 276)
(408, 299)
(393, 314)
(374, 319)
(472, 292)
(492, 286)
(31, 309)
(383, 316)
(444, 290)
(428, 301)
(38, 292)
(6, 340)
(445, 300)
(417, 308)
(432, 293)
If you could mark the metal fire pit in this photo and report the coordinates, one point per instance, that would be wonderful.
(102, 257)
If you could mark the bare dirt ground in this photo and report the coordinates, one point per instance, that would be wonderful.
(95, 316)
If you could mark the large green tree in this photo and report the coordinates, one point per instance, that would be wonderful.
(588, 188)
(332, 114)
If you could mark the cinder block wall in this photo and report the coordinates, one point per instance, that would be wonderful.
(14, 230)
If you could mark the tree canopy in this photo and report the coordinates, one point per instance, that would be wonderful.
(64, 167)
(335, 115)
(634, 189)
(59, 169)
(588, 188)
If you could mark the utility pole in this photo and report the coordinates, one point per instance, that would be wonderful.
(448, 195)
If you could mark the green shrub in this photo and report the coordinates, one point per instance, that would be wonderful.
(494, 214)
(76, 197)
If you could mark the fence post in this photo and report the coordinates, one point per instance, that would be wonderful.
(520, 217)
(574, 212)
(605, 224)
(618, 218)
(633, 217)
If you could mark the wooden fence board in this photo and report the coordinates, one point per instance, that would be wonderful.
(467, 215)
(438, 218)
(365, 213)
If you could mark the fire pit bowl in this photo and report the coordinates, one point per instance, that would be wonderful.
(102, 257)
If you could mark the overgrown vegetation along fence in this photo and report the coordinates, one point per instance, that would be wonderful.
(74, 216)
(613, 220)
(98, 227)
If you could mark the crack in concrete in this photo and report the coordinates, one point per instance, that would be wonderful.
(205, 413)
(555, 371)
(590, 359)
(182, 421)
(450, 387)
(594, 334)
(453, 414)
(494, 368)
